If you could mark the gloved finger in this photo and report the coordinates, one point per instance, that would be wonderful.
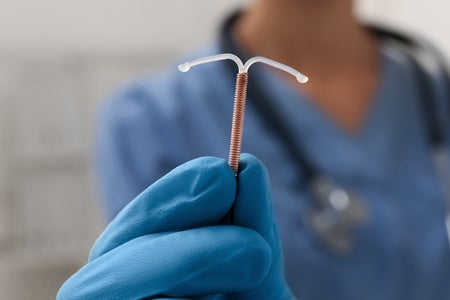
(253, 205)
(202, 261)
(196, 194)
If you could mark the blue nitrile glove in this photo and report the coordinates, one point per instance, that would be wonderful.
(166, 242)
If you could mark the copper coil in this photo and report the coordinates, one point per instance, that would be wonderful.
(238, 121)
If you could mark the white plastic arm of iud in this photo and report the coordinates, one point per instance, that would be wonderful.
(299, 76)
(244, 68)
(186, 66)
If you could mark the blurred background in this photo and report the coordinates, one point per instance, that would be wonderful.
(58, 61)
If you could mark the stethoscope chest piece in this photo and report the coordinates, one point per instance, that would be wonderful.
(336, 213)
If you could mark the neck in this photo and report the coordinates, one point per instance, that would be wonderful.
(318, 37)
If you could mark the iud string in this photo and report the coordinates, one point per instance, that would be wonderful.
(240, 94)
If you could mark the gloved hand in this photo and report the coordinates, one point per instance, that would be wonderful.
(167, 241)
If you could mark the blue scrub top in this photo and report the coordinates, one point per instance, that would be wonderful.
(402, 252)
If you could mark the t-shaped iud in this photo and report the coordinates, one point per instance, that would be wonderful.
(240, 93)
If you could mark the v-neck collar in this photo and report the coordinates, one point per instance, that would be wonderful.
(304, 113)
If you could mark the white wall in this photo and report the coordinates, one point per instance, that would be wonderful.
(58, 59)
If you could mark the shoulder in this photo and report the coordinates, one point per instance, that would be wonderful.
(411, 49)
(404, 46)
(426, 65)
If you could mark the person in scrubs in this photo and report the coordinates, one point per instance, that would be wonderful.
(359, 122)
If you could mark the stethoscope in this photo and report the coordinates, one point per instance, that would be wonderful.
(337, 211)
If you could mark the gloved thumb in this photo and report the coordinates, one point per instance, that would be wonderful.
(253, 209)
(253, 204)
